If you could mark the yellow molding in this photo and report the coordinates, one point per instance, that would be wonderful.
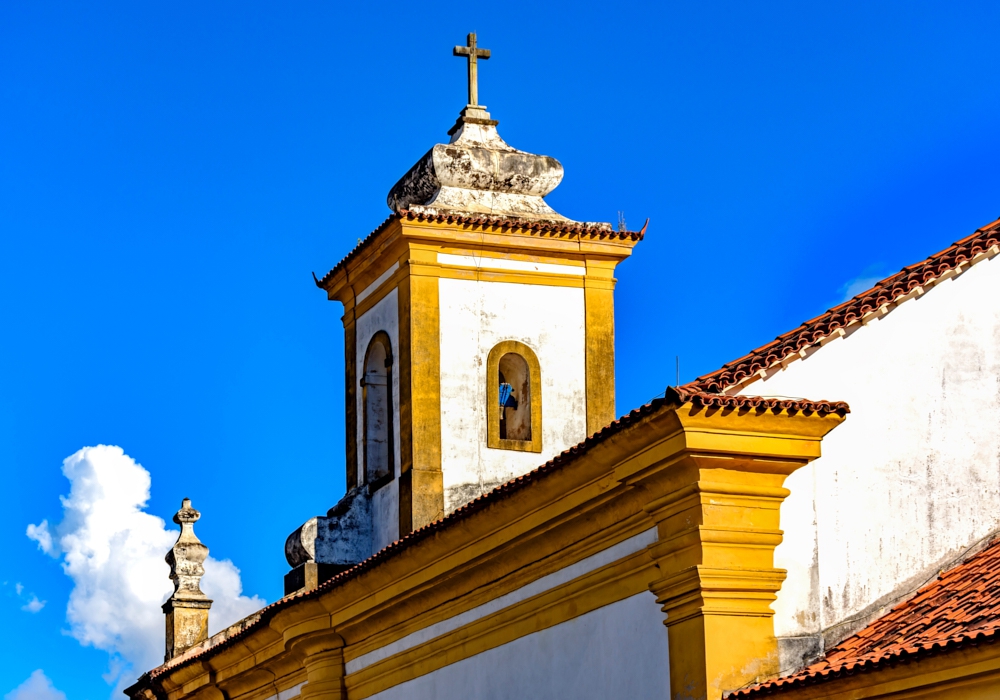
(493, 397)
(486, 237)
(543, 279)
(278, 684)
(484, 591)
(448, 237)
(609, 584)
(381, 292)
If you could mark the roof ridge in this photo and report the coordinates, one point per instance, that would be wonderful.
(887, 291)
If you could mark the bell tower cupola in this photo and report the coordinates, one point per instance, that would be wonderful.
(478, 334)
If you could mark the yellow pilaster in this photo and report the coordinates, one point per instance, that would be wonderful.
(421, 485)
(715, 499)
(599, 302)
(323, 659)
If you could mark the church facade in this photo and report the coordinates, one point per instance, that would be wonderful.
(503, 536)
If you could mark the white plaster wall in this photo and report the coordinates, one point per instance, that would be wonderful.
(912, 477)
(618, 651)
(537, 587)
(383, 316)
(475, 316)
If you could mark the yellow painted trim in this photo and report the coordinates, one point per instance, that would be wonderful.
(609, 584)
(506, 264)
(486, 592)
(379, 294)
(562, 248)
(516, 238)
(421, 481)
(276, 686)
(405, 490)
(482, 275)
(493, 397)
(599, 306)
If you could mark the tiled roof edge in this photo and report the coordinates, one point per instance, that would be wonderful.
(866, 664)
(885, 292)
(486, 221)
(757, 403)
(949, 583)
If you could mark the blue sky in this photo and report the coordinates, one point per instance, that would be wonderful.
(171, 173)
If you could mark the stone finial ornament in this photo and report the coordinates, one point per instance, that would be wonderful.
(187, 609)
(477, 173)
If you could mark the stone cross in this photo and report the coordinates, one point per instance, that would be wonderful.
(187, 609)
(473, 54)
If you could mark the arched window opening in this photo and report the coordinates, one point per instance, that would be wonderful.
(514, 389)
(514, 398)
(376, 392)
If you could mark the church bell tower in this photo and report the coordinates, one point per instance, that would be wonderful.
(479, 340)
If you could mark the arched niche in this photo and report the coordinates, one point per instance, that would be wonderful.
(376, 398)
(514, 376)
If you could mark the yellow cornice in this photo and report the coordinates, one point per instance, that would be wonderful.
(524, 242)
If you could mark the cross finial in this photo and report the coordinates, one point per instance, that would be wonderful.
(473, 54)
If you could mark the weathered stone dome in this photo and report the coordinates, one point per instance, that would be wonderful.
(477, 173)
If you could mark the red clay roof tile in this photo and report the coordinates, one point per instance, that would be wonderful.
(960, 607)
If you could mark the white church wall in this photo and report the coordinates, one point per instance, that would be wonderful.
(475, 316)
(383, 316)
(912, 477)
(619, 650)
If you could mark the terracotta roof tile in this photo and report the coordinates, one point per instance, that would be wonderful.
(884, 293)
(960, 607)
(673, 397)
(547, 228)
(757, 403)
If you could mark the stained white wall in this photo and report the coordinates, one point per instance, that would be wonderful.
(475, 316)
(912, 477)
(618, 651)
(383, 316)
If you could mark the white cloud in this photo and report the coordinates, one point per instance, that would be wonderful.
(40, 534)
(19, 588)
(852, 288)
(33, 605)
(113, 551)
(37, 687)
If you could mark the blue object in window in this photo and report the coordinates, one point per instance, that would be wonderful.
(505, 390)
